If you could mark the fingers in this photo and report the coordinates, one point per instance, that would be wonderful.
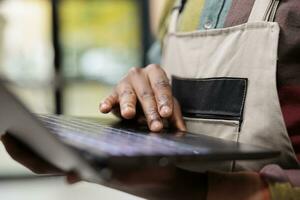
(177, 119)
(107, 105)
(150, 89)
(144, 92)
(162, 90)
(127, 100)
(122, 102)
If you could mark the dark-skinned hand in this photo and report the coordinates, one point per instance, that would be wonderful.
(145, 93)
(157, 182)
(150, 183)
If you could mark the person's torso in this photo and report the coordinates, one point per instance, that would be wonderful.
(212, 14)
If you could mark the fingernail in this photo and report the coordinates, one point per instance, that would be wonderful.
(156, 126)
(165, 110)
(104, 106)
(128, 112)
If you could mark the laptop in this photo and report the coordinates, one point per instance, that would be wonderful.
(92, 146)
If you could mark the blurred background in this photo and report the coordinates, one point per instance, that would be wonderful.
(64, 56)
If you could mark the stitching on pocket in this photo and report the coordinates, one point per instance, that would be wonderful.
(225, 122)
(243, 104)
(208, 79)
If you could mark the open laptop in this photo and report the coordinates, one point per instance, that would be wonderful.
(92, 146)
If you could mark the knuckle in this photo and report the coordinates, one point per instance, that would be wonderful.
(127, 93)
(153, 67)
(127, 105)
(162, 84)
(110, 98)
(147, 95)
(164, 100)
(135, 70)
(152, 114)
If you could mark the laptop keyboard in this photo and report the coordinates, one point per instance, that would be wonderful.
(106, 140)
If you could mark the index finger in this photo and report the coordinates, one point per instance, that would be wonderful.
(162, 90)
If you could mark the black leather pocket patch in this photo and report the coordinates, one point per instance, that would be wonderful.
(211, 98)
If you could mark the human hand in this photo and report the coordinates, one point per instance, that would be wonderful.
(25, 156)
(155, 182)
(149, 182)
(149, 89)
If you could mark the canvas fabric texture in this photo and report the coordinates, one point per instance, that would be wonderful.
(247, 51)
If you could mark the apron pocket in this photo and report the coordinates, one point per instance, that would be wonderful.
(212, 104)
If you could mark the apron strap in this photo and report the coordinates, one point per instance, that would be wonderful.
(174, 16)
(263, 10)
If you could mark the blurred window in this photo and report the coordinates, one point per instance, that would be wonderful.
(100, 41)
(26, 51)
(100, 38)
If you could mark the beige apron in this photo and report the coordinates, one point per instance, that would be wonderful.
(235, 68)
